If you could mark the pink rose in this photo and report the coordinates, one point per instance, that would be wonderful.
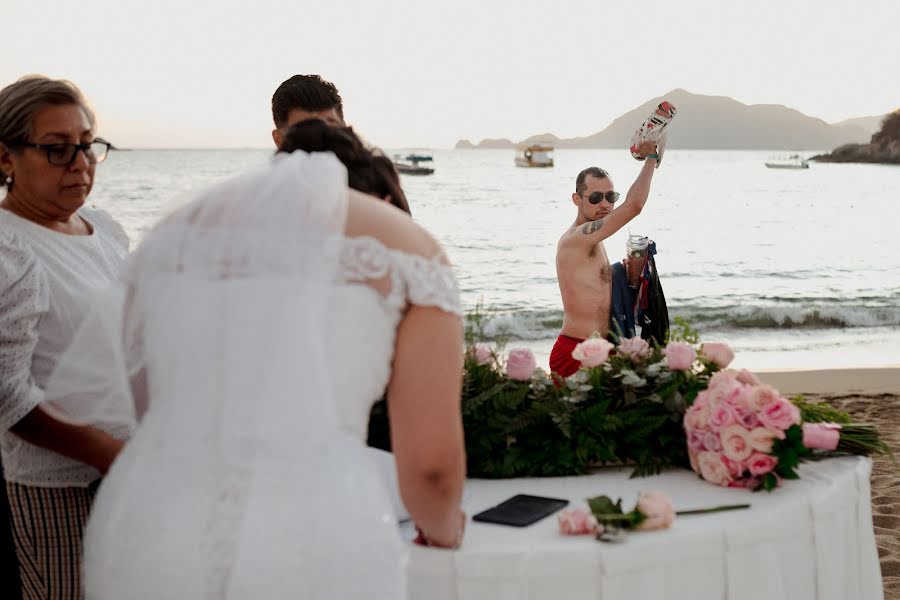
(701, 400)
(578, 521)
(761, 395)
(720, 378)
(520, 364)
(736, 442)
(718, 352)
(779, 414)
(747, 378)
(712, 469)
(721, 416)
(695, 441)
(657, 510)
(735, 469)
(738, 396)
(634, 348)
(696, 418)
(692, 456)
(760, 464)
(746, 417)
(482, 353)
(712, 442)
(821, 436)
(727, 391)
(592, 352)
(680, 356)
(761, 439)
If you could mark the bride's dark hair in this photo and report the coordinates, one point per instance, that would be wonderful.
(368, 172)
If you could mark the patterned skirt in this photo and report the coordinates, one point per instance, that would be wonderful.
(47, 525)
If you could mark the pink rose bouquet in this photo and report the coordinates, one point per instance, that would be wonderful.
(743, 433)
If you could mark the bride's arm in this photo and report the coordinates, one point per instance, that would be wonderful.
(426, 423)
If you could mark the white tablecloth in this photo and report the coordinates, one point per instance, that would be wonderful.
(810, 539)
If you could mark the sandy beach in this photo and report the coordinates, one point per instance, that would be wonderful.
(872, 396)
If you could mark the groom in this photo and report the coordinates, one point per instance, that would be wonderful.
(304, 97)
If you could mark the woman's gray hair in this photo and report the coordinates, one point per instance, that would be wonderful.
(22, 100)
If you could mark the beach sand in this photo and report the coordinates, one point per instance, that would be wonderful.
(870, 396)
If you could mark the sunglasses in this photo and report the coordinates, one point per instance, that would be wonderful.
(596, 197)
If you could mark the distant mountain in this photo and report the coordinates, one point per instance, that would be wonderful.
(489, 143)
(719, 122)
(870, 124)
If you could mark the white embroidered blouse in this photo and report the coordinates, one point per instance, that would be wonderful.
(45, 280)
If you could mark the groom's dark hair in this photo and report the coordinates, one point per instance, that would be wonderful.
(306, 92)
(367, 171)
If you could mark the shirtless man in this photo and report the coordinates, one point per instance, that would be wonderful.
(582, 266)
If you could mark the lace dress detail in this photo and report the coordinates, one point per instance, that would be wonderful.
(414, 279)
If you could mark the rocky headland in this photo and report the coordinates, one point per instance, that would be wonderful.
(884, 146)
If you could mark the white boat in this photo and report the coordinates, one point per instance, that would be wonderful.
(535, 155)
(410, 164)
(794, 161)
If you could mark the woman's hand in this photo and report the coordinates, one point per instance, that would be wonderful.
(451, 543)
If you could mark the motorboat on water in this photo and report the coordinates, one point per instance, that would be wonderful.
(534, 155)
(794, 161)
(409, 164)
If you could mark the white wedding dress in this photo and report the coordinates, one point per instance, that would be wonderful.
(264, 337)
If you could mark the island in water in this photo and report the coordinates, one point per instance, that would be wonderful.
(884, 147)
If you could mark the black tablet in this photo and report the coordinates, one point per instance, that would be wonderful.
(521, 510)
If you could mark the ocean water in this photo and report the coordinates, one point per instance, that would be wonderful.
(794, 268)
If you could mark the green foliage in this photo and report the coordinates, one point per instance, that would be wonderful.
(819, 412)
(790, 452)
(681, 331)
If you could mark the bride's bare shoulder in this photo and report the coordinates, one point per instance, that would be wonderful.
(373, 217)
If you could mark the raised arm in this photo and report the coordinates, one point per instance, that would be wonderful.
(595, 231)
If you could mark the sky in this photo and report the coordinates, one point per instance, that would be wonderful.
(200, 73)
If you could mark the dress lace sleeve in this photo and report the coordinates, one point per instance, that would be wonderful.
(23, 299)
(428, 282)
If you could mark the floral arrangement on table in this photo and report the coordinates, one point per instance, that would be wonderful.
(625, 406)
(743, 433)
(647, 406)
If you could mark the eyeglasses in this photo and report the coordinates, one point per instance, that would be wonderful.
(596, 197)
(63, 155)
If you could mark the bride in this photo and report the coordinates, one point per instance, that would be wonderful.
(253, 330)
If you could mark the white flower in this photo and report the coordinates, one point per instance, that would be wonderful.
(632, 379)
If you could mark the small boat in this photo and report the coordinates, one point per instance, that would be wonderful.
(410, 164)
(794, 161)
(535, 155)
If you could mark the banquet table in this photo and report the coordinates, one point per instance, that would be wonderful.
(810, 539)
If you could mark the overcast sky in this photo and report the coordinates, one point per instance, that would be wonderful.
(200, 73)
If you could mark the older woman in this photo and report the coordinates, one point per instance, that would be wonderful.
(53, 252)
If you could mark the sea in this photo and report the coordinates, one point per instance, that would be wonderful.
(795, 269)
